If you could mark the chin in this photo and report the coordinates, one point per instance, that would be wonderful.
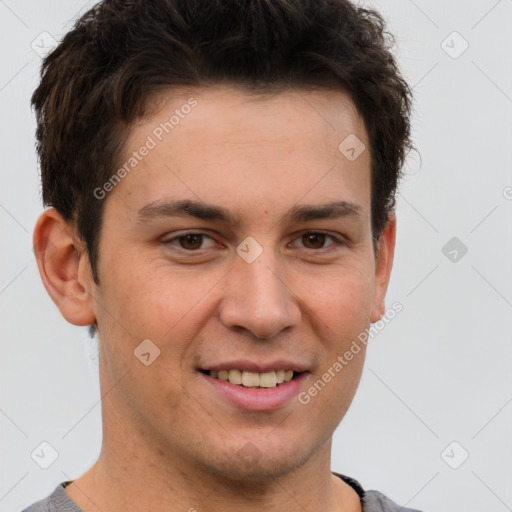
(256, 463)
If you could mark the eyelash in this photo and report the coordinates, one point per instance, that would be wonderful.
(336, 241)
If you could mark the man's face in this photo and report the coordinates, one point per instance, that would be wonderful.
(176, 267)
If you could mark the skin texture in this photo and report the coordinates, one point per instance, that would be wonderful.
(169, 440)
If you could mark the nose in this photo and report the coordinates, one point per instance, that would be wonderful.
(257, 299)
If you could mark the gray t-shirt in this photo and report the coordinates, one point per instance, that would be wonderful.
(371, 501)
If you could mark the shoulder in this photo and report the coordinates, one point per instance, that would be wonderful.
(57, 501)
(374, 501)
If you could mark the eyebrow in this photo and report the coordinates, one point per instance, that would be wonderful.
(185, 208)
(204, 211)
(333, 210)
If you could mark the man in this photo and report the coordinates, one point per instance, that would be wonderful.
(221, 179)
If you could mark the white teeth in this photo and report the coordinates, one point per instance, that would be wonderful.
(235, 377)
(253, 379)
(268, 380)
(250, 379)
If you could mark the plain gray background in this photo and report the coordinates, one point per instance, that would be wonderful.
(439, 373)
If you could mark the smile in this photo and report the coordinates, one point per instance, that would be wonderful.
(255, 391)
(249, 379)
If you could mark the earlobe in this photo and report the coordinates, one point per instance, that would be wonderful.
(59, 257)
(383, 265)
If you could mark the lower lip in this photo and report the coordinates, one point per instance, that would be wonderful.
(257, 399)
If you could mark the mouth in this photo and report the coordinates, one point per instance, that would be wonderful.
(250, 379)
(251, 386)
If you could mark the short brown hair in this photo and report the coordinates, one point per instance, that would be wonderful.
(97, 82)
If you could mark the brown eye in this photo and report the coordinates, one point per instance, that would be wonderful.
(313, 240)
(191, 242)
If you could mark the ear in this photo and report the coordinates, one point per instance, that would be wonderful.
(64, 267)
(383, 264)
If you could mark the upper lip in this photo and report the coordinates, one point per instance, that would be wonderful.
(255, 366)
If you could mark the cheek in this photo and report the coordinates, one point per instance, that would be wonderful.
(142, 294)
(341, 301)
(170, 308)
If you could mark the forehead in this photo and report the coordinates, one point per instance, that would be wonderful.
(237, 115)
(243, 149)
